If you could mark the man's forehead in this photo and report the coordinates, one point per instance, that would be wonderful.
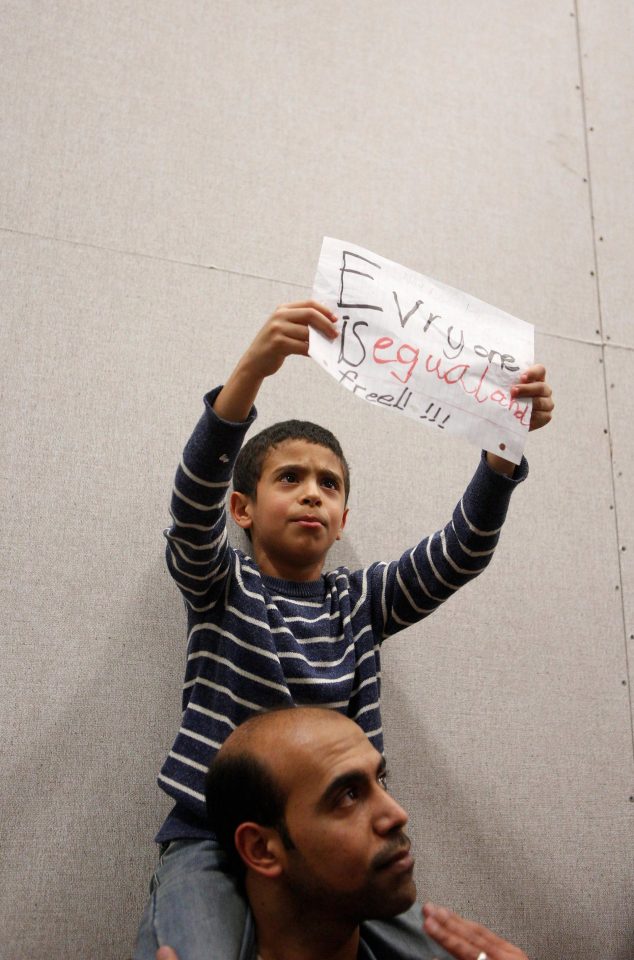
(313, 759)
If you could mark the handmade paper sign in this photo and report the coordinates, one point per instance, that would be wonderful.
(422, 348)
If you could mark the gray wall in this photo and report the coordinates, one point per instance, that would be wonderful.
(168, 172)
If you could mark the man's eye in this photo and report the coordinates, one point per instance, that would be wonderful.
(383, 781)
(349, 796)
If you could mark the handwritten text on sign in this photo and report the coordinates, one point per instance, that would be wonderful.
(421, 347)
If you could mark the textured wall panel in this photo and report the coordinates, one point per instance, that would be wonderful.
(106, 358)
(452, 138)
(508, 724)
(607, 41)
(500, 697)
(619, 370)
(238, 134)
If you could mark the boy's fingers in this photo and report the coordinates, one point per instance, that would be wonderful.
(536, 388)
(543, 404)
(309, 305)
(304, 317)
(535, 372)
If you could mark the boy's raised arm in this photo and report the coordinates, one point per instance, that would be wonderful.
(283, 334)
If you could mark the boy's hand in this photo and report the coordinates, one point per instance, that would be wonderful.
(284, 333)
(533, 386)
(464, 939)
(166, 953)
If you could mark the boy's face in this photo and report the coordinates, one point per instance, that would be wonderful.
(298, 512)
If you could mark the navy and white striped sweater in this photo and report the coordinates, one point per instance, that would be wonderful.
(255, 642)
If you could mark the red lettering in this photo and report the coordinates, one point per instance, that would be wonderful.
(457, 374)
(406, 355)
(382, 344)
(498, 396)
(447, 375)
(520, 413)
(462, 367)
(476, 393)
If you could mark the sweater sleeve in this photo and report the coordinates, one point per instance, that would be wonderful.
(409, 589)
(198, 553)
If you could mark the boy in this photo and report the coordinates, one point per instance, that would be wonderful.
(272, 629)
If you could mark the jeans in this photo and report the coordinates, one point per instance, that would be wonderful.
(196, 906)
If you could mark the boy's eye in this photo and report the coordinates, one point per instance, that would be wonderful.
(289, 477)
(331, 483)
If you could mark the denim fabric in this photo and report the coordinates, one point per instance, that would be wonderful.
(195, 905)
(197, 908)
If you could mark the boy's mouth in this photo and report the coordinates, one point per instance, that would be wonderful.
(310, 521)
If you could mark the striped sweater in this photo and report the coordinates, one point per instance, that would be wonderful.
(255, 642)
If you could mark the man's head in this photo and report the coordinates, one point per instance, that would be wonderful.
(300, 796)
(291, 485)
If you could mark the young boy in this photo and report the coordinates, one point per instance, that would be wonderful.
(274, 629)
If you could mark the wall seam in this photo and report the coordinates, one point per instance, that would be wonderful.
(151, 256)
(256, 276)
(586, 130)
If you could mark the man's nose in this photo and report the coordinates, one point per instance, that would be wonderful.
(390, 815)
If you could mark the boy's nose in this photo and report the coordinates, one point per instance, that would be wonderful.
(311, 492)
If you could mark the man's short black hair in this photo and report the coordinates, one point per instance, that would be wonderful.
(248, 466)
(240, 788)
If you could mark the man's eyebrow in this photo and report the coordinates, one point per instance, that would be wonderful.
(350, 778)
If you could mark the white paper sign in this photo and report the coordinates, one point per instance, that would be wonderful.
(418, 346)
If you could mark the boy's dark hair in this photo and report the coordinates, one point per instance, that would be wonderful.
(248, 466)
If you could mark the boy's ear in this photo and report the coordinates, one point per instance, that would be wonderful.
(261, 849)
(240, 506)
(343, 523)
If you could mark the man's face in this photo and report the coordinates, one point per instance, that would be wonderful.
(350, 857)
(298, 512)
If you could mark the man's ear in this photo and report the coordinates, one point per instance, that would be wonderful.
(343, 523)
(261, 849)
(240, 506)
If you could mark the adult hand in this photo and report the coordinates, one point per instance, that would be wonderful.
(166, 953)
(462, 938)
(533, 386)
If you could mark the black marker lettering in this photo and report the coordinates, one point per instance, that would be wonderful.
(410, 313)
(352, 376)
(454, 346)
(344, 336)
(505, 358)
(344, 269)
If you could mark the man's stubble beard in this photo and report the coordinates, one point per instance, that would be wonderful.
(376, 899)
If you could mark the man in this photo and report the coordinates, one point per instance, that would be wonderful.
(298, 799)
